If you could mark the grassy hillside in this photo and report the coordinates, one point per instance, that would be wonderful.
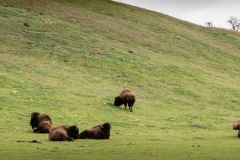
(70, 58)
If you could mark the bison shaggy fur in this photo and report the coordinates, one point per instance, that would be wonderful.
(41, 123)
(63, 133)
(101, 131)
(127, 98)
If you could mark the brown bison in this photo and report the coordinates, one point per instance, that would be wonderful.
(63, 133)
(236, 125)
(41, 122)
(101, 131)
(126, 98)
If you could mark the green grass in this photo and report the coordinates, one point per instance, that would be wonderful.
(69, 59)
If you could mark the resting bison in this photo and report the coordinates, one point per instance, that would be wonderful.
(236, 125)
(239, 134)
(63, 133)
(41, 122)
(101, 131)
(126, 98)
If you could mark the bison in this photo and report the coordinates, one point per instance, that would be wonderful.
(41, 122)
(64, 133)
(236, 125)
(126, 98)
(101, 131)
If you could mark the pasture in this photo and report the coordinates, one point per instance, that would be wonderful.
(70, 59)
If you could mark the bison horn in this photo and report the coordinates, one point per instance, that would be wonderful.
(102, 126)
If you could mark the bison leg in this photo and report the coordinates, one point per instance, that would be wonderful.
(130, 104)
(130, 108)
(69, 139)
(125, 104)
(39, 129)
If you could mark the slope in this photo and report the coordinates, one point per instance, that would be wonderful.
(70, 58)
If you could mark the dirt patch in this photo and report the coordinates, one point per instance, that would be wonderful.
(198, 126)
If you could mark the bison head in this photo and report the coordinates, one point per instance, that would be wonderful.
(236, 125)
(34, 120)
(74, 132)
(118, 101)
(106, 127)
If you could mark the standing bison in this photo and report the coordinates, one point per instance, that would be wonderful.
(41, 122)
(101, 131)
(64, 133)
(126, 98)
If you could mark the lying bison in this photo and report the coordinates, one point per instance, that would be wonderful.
(63, 133)
(41, 122)
(101, 131)
(126, 98)
(236, 126)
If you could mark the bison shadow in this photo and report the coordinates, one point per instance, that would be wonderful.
(115, 107)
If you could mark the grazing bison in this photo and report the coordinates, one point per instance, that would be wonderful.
(101, 131)
(63, 133)
(126, 98)
(236, 125)
(41, 122)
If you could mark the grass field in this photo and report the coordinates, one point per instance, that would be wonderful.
(70, 58)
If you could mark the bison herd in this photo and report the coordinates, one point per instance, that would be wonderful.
(42, 123)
